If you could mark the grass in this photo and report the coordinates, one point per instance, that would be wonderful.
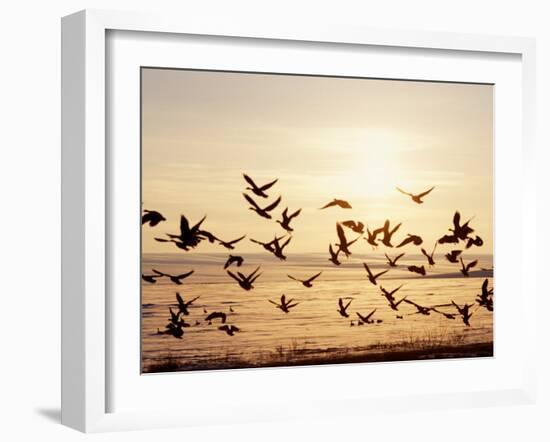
(438, 344)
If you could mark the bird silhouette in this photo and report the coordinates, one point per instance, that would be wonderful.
(485, 299)
(334, 255)
(306, 282)
(152, 217)
(415, 239)
(371, 237)
(430, 256)
(477, 241)
(448, 239)
(421, 310)
(189, 237)
(415, 269)
(278, 248)
(356, 226)
(152, 279)
(265, 211)
(373, 277)
(342, 309)
(229, 329)
(233, 259)
(336, 202)
(416, 198)
(216, 315)
(258, 190)
(344, 244)
(184, 306)
(176, 279)
(173, 330)
(464, 311)
(285, 305)
(230, 244)
(453, 255)
(393, 262)
(285, 222)
(365, 319)
(245, 282)
(391, 299)
(466, 268)
(269, 246)
(386, 240)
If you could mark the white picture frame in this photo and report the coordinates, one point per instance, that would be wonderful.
(85, 217)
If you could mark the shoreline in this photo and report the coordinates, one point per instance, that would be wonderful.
(399, 353)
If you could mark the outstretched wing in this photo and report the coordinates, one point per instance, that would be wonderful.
(251, 201)
(381, 273)
(273, 302)
(471, 265)
(370, 314)
(268, 185)
(184, 226)
(236, 240)
(341, 235)
(332, 203)
(272, 205)
(249, 181)
(292, 277)
(295, 214)
(367, 269)
(403, 192)
(159, 273)
(420, 195)
(230, 273)
(314, 277)
(185, 275)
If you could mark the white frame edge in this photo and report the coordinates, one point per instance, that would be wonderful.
(84, 347)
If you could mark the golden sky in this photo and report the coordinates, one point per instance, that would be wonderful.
(323, 138)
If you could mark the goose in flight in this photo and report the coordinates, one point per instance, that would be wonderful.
(416, 198)
(415, 239)
(430, 256)
(342, 309)
(285, 305)
(393, 262)
(365, 319)
(278, 248)
(356, 226)
(452, 256)
(336, 202)
(306, 282)
(371, 237)
(344, 244)
(233, 259)
(152, 217)
(184, 306)
(269, 246)
(245, 282)
(421, 310)
(152, 279)
(262, 212)
(386, 240)
(373, 277)
(415, 269)
(477, 241)
(216, 315)
(173, 330)
(461, 231)
(464, 311)
(230, 244)
(229, 329)
(391, 299)
(485, 299)
(285, 222)
(189, 237)
(466, 268)
(258, 190)
(176, 279)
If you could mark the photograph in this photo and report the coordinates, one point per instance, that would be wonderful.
(301, 220)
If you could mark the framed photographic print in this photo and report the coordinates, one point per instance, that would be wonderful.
(271, 210)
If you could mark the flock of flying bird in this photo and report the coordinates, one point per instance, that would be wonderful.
(189, 237)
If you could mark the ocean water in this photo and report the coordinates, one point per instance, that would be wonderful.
(314, 327)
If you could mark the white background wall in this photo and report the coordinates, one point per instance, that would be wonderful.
(30, 220)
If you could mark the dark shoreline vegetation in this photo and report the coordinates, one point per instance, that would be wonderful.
(294, 355)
